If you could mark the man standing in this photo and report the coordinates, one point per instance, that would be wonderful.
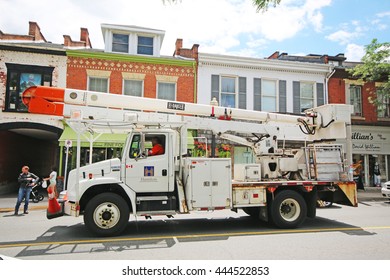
(377, 175)
(25, 181)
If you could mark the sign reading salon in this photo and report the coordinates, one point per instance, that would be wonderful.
(370, 140)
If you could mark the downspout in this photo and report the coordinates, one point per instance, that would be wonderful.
(332, 70)
(195, 81)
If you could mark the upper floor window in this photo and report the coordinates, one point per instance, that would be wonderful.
(166, 91)
(120, 43)
(19, 78)
(268, 96)
(383, 105)
(355, 99)
(133, 88)
(98, 84)
(228, 92)
(145, 45)
(307, 95)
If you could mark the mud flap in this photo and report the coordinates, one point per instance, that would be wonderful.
(311, 201)
(346, 194)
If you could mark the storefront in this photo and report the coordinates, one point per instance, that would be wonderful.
(104, 146)
(371, 144)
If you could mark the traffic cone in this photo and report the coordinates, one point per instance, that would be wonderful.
(54, 209)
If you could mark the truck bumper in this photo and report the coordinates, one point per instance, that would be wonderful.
(71, 208)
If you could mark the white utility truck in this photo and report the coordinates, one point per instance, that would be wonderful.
(282, 186)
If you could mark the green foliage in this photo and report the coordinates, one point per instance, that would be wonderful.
(375, 67)
(262, 5)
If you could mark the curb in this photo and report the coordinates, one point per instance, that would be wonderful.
(5, 210)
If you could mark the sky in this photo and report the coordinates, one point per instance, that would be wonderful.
(231, 27)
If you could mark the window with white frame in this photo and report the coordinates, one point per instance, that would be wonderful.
(306, 95)
(383, 108)
(98, 84)
(145, 45)
(166, 91)
(268, 96)
(355, 99)
(133, 88)
(228, 92)
(120, 43)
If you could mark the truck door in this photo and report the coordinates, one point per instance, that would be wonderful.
(148, 173)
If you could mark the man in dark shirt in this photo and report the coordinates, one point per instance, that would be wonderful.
(25, 181)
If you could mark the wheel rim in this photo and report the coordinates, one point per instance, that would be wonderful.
(106, 215)
(290, 210)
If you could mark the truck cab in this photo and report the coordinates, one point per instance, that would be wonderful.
(145, 173)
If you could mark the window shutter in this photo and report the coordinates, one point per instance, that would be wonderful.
(282, 97)
(320, 94)
(296, 97)
(215, 87)
(257, 94)
(242, 92)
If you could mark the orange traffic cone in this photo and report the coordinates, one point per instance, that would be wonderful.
(54, 209)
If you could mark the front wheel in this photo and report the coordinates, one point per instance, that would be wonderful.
(288, 209)
(107, 214)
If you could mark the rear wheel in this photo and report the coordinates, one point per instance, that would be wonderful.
(288, 209)
(106, 214)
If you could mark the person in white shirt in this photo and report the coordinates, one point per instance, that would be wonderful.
(52, 181)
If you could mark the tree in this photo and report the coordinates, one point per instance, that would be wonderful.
(261, 5)
(375, 67)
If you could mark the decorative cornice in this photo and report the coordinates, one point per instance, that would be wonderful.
(263, 64)
(130, 58)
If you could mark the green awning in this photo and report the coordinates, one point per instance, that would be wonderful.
(105, 140)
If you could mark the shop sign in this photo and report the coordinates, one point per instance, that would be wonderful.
(368, 141)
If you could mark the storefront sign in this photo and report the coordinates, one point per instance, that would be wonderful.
(365, 140)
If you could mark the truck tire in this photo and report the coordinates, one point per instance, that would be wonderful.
(106, 214)
(288, 209)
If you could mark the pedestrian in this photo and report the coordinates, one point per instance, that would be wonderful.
(357, 176)
(25, 181)
(52, 181)
(377, 175)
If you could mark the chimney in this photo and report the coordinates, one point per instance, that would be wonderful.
(67, 41)
(84, 42)
(35, 31)
(194, 51)
(178, 46)
(84, 37)
(275, 55)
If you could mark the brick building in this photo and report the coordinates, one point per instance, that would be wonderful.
(370, 124)
(27, 139)
(130, 64)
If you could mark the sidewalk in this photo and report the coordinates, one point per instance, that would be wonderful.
(7, 202)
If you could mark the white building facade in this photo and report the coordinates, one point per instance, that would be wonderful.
(261, 84)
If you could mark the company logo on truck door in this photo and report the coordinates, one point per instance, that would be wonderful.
(148, 171)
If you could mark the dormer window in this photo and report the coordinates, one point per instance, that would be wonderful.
(120, 43)
(132, 40)
(145, 45)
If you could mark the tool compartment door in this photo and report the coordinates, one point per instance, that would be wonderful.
(209, 183)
